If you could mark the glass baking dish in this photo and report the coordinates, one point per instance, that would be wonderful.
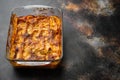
(35, 36)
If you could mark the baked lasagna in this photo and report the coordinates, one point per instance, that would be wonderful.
(35, 37)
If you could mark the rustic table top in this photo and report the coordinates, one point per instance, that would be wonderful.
(91, 44)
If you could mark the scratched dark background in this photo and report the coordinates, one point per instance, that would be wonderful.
(91, 41)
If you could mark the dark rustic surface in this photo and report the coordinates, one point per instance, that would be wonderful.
(91, 41)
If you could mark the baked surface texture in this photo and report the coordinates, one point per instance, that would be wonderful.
(35, 37)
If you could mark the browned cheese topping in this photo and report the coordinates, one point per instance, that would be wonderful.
(35, 37)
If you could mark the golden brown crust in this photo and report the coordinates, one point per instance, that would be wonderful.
(35, 38)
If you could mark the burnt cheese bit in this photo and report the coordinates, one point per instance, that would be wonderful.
(52, 34)
(19, 54)
(16, 51)
(31, 19)
(53, 56)
(26, 35)
(21, 19)
(37, 57)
